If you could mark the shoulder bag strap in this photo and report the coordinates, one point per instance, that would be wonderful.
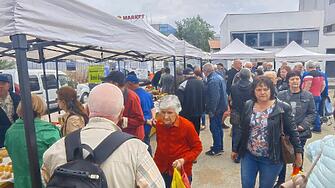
(72, 142)
(109, 145)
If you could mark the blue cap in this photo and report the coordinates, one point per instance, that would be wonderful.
(132, 78)
(3, 78)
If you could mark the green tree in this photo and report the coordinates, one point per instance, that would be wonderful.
(6, 64)
(195, 31)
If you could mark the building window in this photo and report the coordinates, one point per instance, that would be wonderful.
(329, 28)
(310, 38)
(265, 39)
(280, 39)
(331, 2)
(239, 36)
(295, 36)
(251, 39)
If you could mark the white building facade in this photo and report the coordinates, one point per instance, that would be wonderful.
(274, 31)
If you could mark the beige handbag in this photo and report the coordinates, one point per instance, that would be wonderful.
(300, 180)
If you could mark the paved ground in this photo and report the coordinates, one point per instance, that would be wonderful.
(220, 171)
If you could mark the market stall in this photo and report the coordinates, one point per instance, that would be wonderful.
(238, 50)
(294, 52)
(47, 31)
(6, 170)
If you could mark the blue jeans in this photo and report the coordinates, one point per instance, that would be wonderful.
(251, 165)
(168, 179)
(217, 132)
(147, 130)
(317, 123)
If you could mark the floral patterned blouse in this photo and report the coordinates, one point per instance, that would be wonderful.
(258, 142)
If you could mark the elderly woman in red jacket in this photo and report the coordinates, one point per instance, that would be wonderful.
(178, 144)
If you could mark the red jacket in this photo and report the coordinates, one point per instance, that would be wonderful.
(133, 111)
(179, 141)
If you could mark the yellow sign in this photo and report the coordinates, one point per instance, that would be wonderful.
(95, 73)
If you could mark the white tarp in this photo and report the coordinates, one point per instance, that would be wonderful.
(75, 22)
(238, 50)
(179, 45)
(145, 25)
(294, 52)
(184, 48)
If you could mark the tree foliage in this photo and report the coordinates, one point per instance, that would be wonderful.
(195, 31)
(6, 64)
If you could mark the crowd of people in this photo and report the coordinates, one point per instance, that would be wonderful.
(262, 105)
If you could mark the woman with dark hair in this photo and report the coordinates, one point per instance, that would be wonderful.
(257, 139)
(282, 83)
(75, 116)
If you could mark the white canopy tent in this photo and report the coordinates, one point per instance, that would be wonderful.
(77, 23)
(238, 50)
(294, 52)
(66, 28)
(145, 25)
(184, 48)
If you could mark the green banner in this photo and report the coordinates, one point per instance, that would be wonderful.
(95, 73)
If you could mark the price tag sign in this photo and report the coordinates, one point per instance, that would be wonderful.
(95, 73)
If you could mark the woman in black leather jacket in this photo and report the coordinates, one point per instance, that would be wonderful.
(258, 137)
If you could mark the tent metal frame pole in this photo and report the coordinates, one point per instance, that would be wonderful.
(201, 64)
(42, 60)
(118, 64)
(153, 66)
(19, 42)
(175, 73)
(184, 62)
(57, 78)
(124, 67)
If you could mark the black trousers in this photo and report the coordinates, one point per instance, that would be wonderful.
(196, 122)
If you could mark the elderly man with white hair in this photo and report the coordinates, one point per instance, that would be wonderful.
(130, 165)
(178, 144)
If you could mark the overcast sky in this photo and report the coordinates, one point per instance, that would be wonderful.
(169, 11)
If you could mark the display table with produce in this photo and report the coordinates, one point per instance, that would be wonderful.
(6, 170)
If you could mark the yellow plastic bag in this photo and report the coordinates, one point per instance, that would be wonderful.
(177, 181)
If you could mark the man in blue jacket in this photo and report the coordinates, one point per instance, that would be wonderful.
(8, 105)
(216, 105)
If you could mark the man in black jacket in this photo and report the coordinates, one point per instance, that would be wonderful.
(303, 110)
(191, 94)
(240, 93)
(8, 105)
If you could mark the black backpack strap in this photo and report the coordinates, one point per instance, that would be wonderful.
(109, 145)
(72, 142)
